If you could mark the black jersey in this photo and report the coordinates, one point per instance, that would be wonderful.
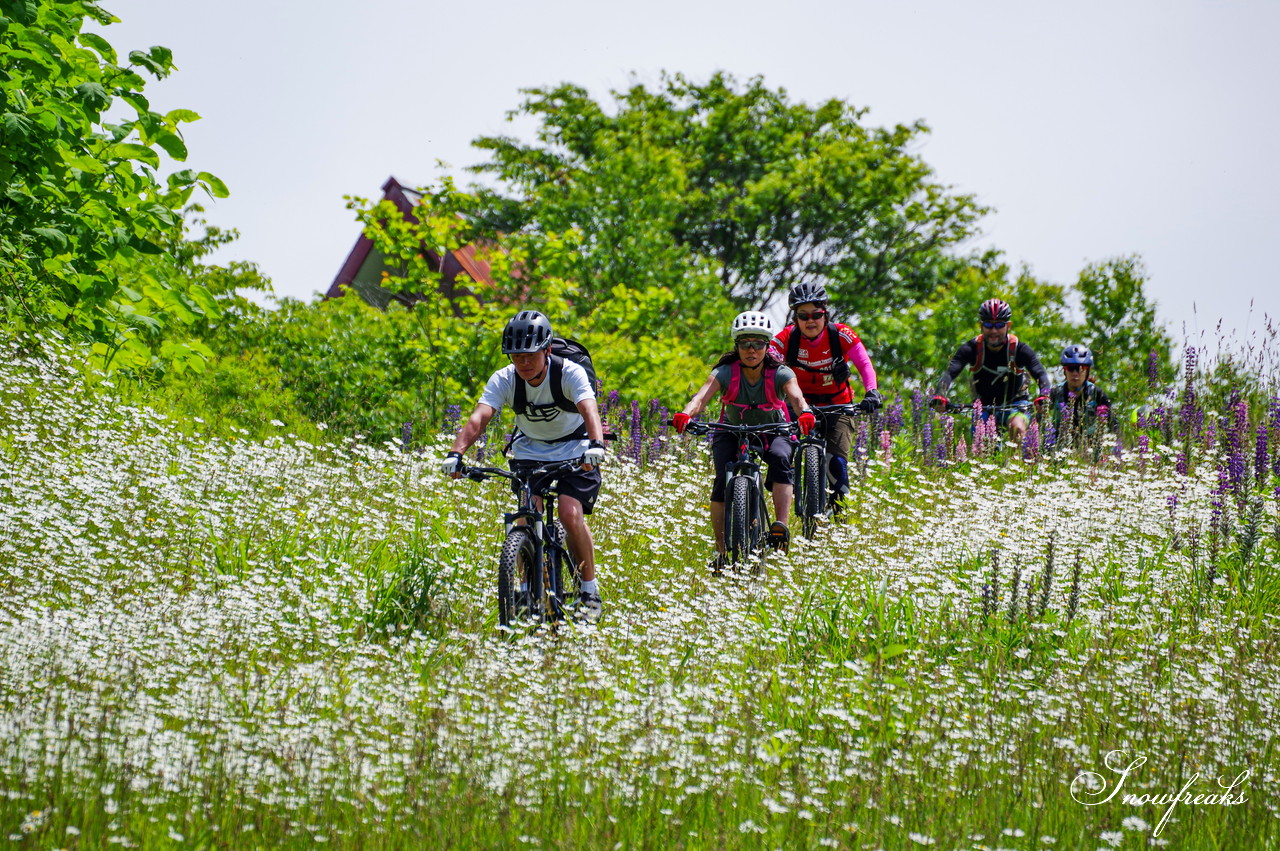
(996, 381)
(1080, 408)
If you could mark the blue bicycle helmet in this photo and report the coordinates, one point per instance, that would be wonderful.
(1076, 354)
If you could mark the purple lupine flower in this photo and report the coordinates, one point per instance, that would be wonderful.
(1172, 501)
(1153, 370)
(1210, 433)
(1217, 496)
(1031, 440)
(926, 442)
(886, 446)
(637, 431)
(660, 436)
(917, 408)
(1050, 434)
(452, 419)
(1118, 451)
(1261, 455)
(962, 453)
(893, 418)
(1144, 448)
(1180, 464)
(860, 445)
(1191, 417)
(948, 437)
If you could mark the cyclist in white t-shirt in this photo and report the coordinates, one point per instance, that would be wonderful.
(546, 432)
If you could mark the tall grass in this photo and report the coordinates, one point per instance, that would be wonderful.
(232, 644)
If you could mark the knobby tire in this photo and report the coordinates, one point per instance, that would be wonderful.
(514, 564)
(738, 534)
(812, 488)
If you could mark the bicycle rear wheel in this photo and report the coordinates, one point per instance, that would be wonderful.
(810, 503)
(738, 533)
(514, 569)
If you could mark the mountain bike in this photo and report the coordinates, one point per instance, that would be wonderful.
(535, 555)
(746, 516)
(814, 496)
(1022, 407)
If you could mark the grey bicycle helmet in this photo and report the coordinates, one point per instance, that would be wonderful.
(806, 294)
(527, 331)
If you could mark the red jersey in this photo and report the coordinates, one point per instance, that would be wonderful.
(813, 372)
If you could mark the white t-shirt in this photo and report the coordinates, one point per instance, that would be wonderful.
(543, 420)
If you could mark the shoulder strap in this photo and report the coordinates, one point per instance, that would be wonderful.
(833, 340)
(556, 376)
(793, 346)
(1012, 349)
(735, 383)
(981, 347)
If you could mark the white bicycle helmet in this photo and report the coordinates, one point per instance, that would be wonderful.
(752, 323)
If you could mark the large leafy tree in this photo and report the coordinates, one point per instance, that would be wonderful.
(734, 181)
(1120, 325)
(81, 200)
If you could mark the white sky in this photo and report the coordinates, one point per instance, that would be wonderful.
(1094, 129)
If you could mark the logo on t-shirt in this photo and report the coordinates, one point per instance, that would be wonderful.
(541, 413)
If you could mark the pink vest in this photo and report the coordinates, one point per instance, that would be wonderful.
(772, 402)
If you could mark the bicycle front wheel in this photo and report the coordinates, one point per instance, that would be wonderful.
(810, 503)
(518, 555)
(739, 537)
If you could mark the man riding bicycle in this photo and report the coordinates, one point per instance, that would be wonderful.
(546, 431)
(755, 388)
(1000, 364)
(820, 351)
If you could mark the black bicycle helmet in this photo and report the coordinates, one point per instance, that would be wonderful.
(1076, 354)
(528, 331)
(806, 294)
(995, 310)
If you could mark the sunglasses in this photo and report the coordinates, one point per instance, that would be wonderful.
(994, 325)
(1073, 367)
(809, 317)
(752, 345)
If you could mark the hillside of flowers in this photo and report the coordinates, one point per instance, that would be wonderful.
(209, 642)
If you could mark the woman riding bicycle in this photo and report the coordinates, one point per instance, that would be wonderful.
(820, 352)
(754, 388)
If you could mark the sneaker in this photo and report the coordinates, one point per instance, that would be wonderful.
(779, 536)
(588, 607)
(716, 565)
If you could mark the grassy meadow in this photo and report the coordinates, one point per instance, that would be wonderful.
(224, 643)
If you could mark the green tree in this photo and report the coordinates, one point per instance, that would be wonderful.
(82, 200)
(1120, 326)
(691, 180)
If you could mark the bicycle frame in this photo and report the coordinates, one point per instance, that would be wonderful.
(744, 534)
(809, 507)
(548, 552)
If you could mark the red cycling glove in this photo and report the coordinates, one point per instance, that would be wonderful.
(806, 421)
(680, 421)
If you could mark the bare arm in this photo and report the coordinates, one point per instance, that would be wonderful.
(591, 418)
(475, 426)
(794, 397)
(704, 395)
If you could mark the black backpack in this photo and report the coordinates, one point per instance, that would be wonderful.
(561, 349)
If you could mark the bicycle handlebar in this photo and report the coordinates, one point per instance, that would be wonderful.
(760, 428)
(953, 408)
(479, 474)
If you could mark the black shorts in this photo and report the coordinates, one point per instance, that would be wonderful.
(582, 485)
(777, 455)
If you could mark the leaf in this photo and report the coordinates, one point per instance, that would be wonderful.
(215, 186)
(94, 96)
(144, 60)
(52, 235)
(173, 145)
(100, 44)
(181, 116)
(131, 151)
